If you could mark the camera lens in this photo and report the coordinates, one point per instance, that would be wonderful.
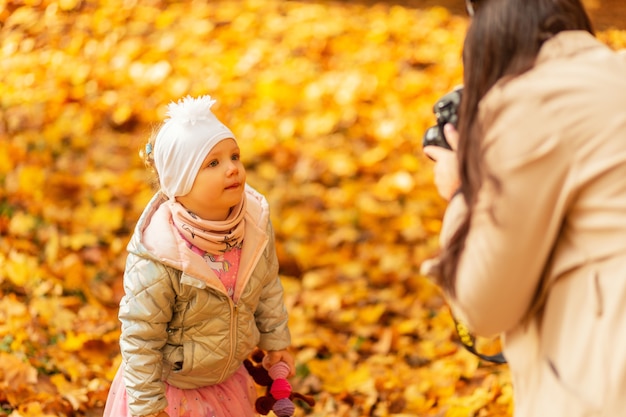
(434, 137)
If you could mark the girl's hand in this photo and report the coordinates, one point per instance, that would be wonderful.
(275, 356)
(446, 164)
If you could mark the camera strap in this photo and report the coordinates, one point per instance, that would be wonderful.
(468, 340)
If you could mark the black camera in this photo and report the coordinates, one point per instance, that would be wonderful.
(446, 111)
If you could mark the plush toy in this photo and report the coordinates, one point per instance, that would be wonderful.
(278, 395)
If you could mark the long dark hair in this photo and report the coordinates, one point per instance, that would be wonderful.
(503, 40)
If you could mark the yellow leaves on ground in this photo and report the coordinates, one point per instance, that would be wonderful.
(16, 371)
(329, 101)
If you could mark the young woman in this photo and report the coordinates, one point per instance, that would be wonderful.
(534, 237)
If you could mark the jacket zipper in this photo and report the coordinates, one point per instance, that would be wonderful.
(233, 337)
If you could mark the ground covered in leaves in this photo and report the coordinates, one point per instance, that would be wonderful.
(329, 101)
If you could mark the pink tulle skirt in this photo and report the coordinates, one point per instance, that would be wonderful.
(232, 398)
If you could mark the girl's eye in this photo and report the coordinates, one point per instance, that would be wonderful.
(235, 157)
(213, 163)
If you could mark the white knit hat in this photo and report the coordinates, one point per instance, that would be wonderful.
(184, 140)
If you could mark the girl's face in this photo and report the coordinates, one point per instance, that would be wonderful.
(219, 184)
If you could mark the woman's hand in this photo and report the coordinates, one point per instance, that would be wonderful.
(274, 356)
(446, 168)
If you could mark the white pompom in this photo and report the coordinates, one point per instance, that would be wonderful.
(189, 110)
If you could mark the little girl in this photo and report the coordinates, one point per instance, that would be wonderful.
(201, 281)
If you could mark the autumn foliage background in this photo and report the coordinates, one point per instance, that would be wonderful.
(329, 101)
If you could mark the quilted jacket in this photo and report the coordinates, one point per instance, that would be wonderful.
(178, 323)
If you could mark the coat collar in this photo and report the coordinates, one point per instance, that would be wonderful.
(156, 238)
(565, 44)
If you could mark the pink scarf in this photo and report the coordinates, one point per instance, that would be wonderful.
(213, 237)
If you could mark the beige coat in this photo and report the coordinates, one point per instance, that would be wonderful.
(178, 323)
(549, 273)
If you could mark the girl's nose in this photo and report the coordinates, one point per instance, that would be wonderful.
(232, 169)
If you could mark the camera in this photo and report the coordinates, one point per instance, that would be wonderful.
(446, 111)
